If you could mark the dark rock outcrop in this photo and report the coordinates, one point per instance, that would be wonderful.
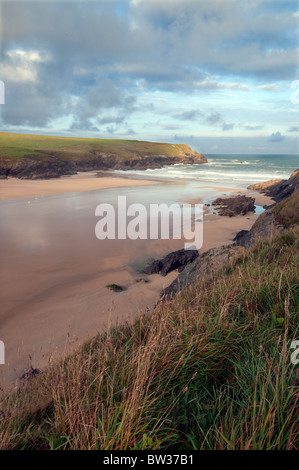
(205, 264)
(51, 166)
(115, 287)
(30, 374)
(175, 260)
(237, 205)
(240, 235)
(264, 227)
(31, 167)
(278, 189)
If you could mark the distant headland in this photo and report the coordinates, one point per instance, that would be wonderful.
(28, 156)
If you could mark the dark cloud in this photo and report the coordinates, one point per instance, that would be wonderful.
(293, 129)
(244, 38)
(95, 57)
(227, 126)
(276, 137)
(250, 127)
(131, 132)
(191, 115)
(102, 104)
(213, 118)
(31, 104)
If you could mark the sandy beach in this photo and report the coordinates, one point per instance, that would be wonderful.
(13, 188)
(54, 271)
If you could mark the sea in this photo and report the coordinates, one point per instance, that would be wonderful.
(236, 170)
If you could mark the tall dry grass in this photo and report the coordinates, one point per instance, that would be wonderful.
(209, 369)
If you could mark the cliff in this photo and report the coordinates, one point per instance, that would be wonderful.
(278, 189)
(32, 157)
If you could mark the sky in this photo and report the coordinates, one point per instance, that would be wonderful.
(219, 75)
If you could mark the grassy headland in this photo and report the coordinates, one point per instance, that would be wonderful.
(19, 145)
(27, 156)
(209, 369)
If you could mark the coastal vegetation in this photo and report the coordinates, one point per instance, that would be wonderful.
(210, 368)
(39, 156)
(20, 145)
(287, 212)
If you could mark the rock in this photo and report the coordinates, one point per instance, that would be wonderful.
(264, 227)
(278, 189)
(32, 167)
(154, 267)
(175, 260)
(52, 166)
(115, 287)
(30, 374)
(240, 235)
(205, 264)
(266, 186)
(237, 205)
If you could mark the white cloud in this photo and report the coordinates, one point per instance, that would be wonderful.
(185, 59)
(22, 66)
(270, 86)
(209, 83)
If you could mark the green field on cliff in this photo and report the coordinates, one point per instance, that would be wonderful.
(66, 148)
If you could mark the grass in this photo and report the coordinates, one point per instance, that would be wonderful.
(19, 145)
(287, 211)
(209, 369)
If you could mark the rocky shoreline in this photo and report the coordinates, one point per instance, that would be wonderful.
(278, 189)
(194, 267)
(237, 205)
(36, 167)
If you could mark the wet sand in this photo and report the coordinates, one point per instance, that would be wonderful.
(260, 199)
(54, 271)
(84, 181)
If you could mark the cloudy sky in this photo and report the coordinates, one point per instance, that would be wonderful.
(220, 75)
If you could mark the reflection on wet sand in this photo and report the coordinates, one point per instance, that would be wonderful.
(54, 271)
